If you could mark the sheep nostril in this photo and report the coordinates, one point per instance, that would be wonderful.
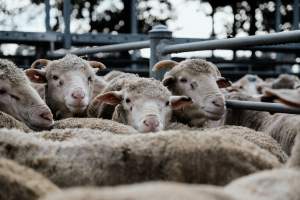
(78, 95)
(152, 123)
(218, 102)
(47, 116)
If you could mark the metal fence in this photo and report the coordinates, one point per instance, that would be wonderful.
(161, 45)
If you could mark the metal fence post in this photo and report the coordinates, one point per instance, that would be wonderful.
(159, 36)
(67, 16)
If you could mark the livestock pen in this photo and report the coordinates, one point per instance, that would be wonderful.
(160, 39)
(161, 44)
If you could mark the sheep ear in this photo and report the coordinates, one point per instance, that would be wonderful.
(168, 80)
(178, 102)
(223, 82)
(111, 98)
(96, 64)
(36, 75)
(43, 62)
(287, 96)
(165, 64)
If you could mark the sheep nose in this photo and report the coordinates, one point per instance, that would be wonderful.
(218, 102)
(47, 116)
(78, 94)
(151, 123)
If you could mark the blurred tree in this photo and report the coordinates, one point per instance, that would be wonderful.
(255, 15)
(116, 16)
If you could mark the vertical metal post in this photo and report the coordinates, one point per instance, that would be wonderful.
(67, 16)
(296, 14)
(159, 35)
(134, 29)
(277, 15)
(47, 18)
(133, 17)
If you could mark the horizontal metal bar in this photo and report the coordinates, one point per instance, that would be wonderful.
(106, 48)
(29, 37)
(102, 38)
(234, 43)
(262, 106)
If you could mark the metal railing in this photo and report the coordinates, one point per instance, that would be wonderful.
(161, 45)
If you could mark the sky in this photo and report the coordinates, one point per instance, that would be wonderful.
(190, 21)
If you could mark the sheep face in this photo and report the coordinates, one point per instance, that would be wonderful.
(147, 106)
(250, 84)
(199, 80)
(70, 82)
(20, 100)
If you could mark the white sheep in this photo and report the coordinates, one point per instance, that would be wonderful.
(143, 103)
(74, 157)
(201, 81)
(94, 123)
(20, 182)
(69, 84)
(276, 184)
(144, 191)
(282, 127)
(20, 100)
(7, 121)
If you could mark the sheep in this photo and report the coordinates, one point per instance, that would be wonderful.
(94, 123)
(69, 84)
(282, 127)
(115, 81)
(19, 182)
(199, 80)
(144, 191)
(143, 103)
(74, 157)
(283, 81)
(249, 84)
(7, 121)
(113, 74)
(19, 99)
(271, 184)
(275, 184)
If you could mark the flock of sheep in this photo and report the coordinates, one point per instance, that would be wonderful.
(67, 133)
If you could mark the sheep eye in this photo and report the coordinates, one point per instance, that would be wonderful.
(127, 100)
(90, 79)
(54, 77)
(2, 91)
(183, 80)
(241, 87)
(15, 97)
(167, 103)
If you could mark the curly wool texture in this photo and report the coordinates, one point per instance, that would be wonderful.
(136, 86)
(149, 87)
(273, 184)
(261, 139)
(113, 74)
(93, 157)
(7, 121)
(282, 127)
(144, 191)
(9, 71)
(102, 110)
(196, 66)
(19, 182)
(69, 62)
(94, 123)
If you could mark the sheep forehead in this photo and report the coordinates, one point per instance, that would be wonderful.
(9, 71)
(69, 62)
(147, 87)
(193, 66)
